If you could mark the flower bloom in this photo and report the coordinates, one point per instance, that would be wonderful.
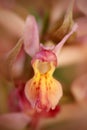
(42, 90)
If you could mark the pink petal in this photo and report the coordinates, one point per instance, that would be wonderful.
(14, 121)
(72, 55)
(58, 47)
(79, 88)
(82, 5)
(81, 40)
(31, 36)
(82, 26)
(11, 22)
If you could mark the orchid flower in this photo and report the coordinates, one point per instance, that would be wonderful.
(41, 93)
(42, 90)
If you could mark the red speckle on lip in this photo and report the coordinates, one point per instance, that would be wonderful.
(34, 83)
(37, 88)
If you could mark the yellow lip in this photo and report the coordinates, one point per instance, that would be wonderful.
(43, 91)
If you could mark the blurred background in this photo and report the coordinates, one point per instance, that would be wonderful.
(72, 69)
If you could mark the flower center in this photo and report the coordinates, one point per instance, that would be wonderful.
(43, 67)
